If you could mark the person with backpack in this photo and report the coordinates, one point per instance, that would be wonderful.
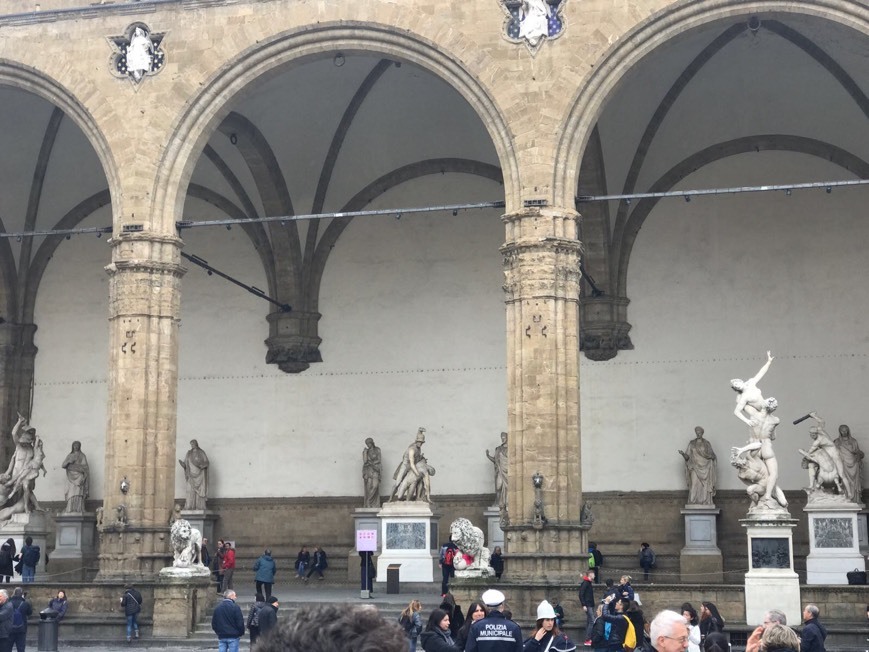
(29, 558)
(609, 632)
(448, 552)
(411, 622)
(22, 609)
(647, 559)
(131, 601)
(253, 617)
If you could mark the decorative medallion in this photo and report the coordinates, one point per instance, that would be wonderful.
(533, 21)
(137, 53)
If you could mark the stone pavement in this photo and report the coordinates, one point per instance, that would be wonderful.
(292, 596)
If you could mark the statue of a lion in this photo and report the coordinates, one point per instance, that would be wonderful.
(186, 544)
(473, 559)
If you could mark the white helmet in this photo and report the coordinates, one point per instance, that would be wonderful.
(545, 610)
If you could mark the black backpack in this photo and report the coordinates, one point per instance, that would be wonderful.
(19, 620)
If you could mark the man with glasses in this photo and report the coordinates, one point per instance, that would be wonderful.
(669, 632)
(770, 618)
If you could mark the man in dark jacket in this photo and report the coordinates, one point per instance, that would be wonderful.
(18, 634)
(609, 632)
(5, 622)
(131, 601)
(268, 615)
(586, 599)
(228, 623)
(494, 633)
(29, 558)
(265, 569)
(814, 633)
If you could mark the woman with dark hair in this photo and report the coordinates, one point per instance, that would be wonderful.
(546, 635)
(259, 602)
(710, 620)
(716, 642)
(497, 562)
(436, 637)
(59, 604)
(477, 611)
(693, 627)
(448, 604)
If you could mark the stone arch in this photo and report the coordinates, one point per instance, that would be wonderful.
(641, 41)
(29, 79)
(204, 111)
(626, 234)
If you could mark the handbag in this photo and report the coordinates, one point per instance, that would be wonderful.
(856, 577)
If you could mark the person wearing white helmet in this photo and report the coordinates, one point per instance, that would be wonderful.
(546, 635)
(494, 633)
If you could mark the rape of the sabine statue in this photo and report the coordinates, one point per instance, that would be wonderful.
(828, 481)
(412, 476)
(700, 470)
(19, 480)
(371, 469)
(755, 462)
(195, 465)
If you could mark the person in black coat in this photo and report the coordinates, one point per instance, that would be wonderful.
(319, 564)
(227, 620)
(814, 633)
(586, 600)
(7, 553)
(497, 562)
(18, 635)
(710, 620)
(268, 615)
(437, 637)
(131, 601)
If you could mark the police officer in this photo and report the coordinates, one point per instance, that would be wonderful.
(494, 633)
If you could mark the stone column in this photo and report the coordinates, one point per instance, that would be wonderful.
(17, 358)
(541, 264)
(145, 277)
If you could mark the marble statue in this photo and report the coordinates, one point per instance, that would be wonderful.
(824, 463)
(139, 54)
(195, 465)
(586, 517)
(499, 459)
(371, 469)
(186, 544)
(77, 479)
(534, 20)
(700, 470)
(411, 477)
(17, 483)
(757, 413)
(852, 461)
(472, 557)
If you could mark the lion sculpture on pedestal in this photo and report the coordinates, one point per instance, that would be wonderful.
(472, 559)
(186, 544)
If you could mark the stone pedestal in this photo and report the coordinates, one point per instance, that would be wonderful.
(180, 601)
(408, 536)
(834, 547)
(863, 531)
(771, 579)
(494, 533)
(364, 518)
(203, 520)
(74, 546)
(21, 526)
(700, 561)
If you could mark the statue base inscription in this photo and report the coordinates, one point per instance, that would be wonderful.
(74, 548)
(700, 561)
(408, 536)
(771, 579)
(21, 526)
(834, 545)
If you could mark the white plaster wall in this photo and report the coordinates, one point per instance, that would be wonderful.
(713, 284)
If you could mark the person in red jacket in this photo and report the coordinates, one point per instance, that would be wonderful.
(228, 566)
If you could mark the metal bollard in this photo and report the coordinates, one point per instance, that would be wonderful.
(48, 626)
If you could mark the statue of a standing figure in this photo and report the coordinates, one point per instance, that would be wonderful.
(411, 474)
(371, 469)
(77, 480)
(852, 460)
(195, 466)
(700, 470)
(140, 54)
(499, 459)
